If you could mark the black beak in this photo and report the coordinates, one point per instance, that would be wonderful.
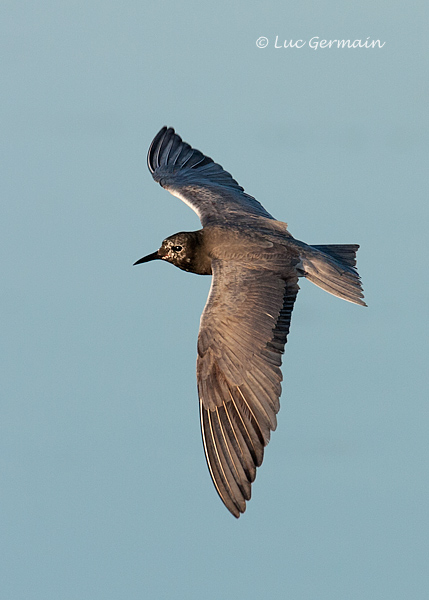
(149, 257)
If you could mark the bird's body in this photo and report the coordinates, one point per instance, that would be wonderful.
(255, 263)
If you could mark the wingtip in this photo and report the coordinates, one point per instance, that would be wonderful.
(155, 145)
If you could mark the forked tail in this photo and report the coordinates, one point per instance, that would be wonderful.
(333, 268)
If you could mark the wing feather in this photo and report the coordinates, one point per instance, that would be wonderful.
(197, 180)
(243, 331)
(216, 472)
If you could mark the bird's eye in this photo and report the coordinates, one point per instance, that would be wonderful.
(176, 248)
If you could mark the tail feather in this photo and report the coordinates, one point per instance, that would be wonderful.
(343, 253)
(332, 268)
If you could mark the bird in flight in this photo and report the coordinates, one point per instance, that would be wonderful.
(255, 264)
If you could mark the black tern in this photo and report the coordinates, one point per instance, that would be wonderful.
(255, 263)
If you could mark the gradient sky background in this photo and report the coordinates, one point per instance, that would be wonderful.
(105, 493)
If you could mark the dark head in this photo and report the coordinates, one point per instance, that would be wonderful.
(184, 250)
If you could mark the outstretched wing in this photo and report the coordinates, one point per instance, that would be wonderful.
(242, 335)
(200, 182)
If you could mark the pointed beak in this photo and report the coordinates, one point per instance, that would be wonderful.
(148, 258)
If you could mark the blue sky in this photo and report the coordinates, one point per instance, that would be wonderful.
(105, 492)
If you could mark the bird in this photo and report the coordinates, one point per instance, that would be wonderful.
(255, 264)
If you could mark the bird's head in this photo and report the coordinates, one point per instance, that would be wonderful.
(183, 250)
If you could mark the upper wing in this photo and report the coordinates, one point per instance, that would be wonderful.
(201, 183)
(242, 335)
